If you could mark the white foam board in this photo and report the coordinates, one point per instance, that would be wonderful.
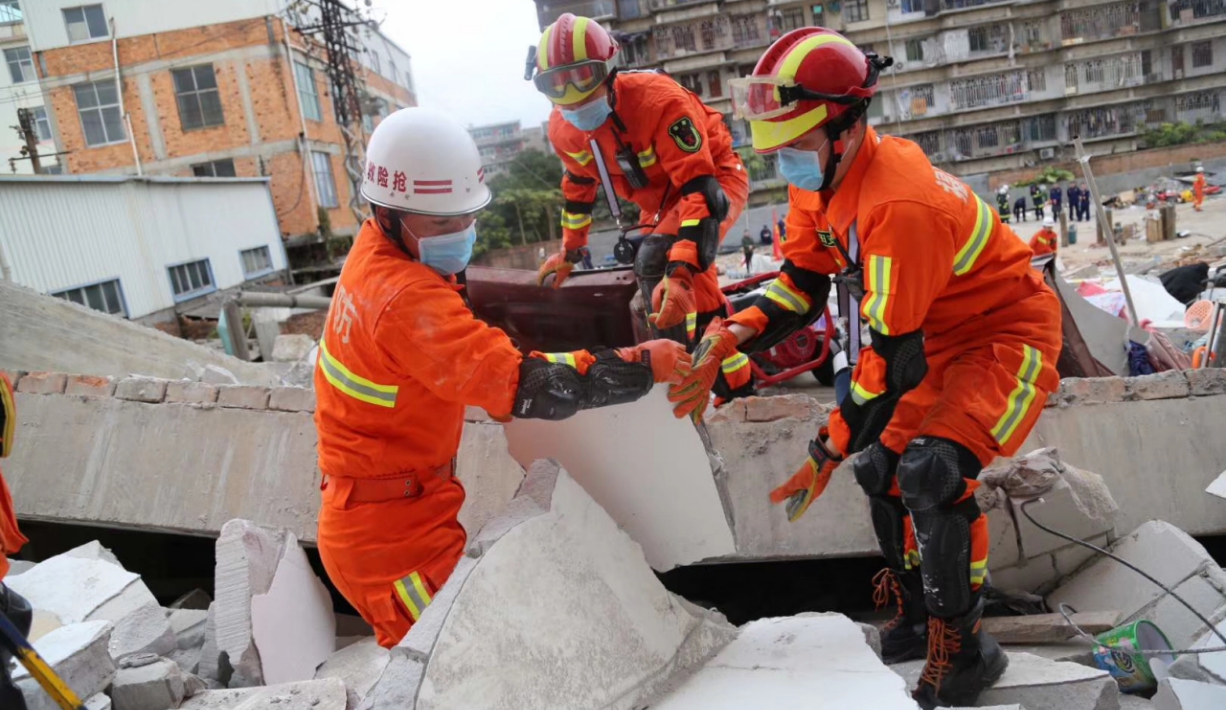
(293, 624)
(648, 469)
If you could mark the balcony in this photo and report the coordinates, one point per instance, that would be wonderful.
(1190, 11)
(968, 4)
(677, 41)
(988, 91)
(1108, 22)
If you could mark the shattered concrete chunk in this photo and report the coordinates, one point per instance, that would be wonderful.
(145, 630)
(292, 347)
(79, 655)
(778, 664)
(212, 666)
(98, 702)
(200, 393)
(1048, 628)
(158, 685)
(293, 625)
(327, 694)
(359, 666)
(1176, 694)
(489, 474)
(1036, 683)
(80, 589)
(1205, 667)
(247, 558)
(218, 375)
(187, 659)
(195, 599)
(94, 551)
(188, 626)
(141, 389)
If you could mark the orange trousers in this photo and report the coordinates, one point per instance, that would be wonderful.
(389, 558)
(986, 386)
(735, 183)
(11, 539)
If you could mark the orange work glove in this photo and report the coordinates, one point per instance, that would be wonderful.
(669, 361)
(559, 265)
(693, 393)
(810, 481)
(673, 302)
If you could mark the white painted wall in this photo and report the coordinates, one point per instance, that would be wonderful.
(13, 96)
(58, 233)
(45, 18)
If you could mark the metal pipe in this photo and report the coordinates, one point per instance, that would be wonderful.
(119, 90)
(1084, 158)
(254, 299)
(308, 170)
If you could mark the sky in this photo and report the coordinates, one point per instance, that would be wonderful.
(468, 56)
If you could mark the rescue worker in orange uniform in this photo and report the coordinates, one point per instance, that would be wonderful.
(965, 338)
(664, 150)
(1198, 189)
(12, 604)
(1045, 241)
(400, 358)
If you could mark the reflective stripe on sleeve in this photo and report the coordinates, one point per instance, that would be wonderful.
(647, 158)
(965, 260)
(563, 358)
(412, 592)
(353, 385)
(792, 300)
(880, 273)
(734, 363)
(571, 220)
(860, 395)
(583, 157)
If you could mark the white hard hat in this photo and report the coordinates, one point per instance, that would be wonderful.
(421, 160)
(1200, 170)
(1049, 222)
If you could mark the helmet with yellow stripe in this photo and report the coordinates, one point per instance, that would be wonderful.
(573, 59)
(808, 78)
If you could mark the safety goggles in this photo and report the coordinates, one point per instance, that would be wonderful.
(757, 98)
(585, 77)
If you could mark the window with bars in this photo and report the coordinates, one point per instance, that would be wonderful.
(922, 98)
(915, 50)
(192, 279)
(683, 38)
(929, 142)
(104, 296)
(1036, 79)
(987, 38)
(98, 105)
(855, 10)
(745, 29)
(21, 66)
(42, 125)
(256, 262)
(793, 19)
(325, 183)
(1039, 128)
(308, 93)
(693, 82)
(1202, 54)
(217, 168)
(85, 23)
(198, 98)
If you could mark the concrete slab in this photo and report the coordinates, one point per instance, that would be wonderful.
(188, 626)
(1218, 487)
(195, 599)
(489, 474)
(98, 702)
(293, 624)
(1037, 683)
(156, 685)
(792, 663)
(247, 559)
(94, 550)
(327, 694)
(359, 666)
(1048, 628)
(1206, 667)
(80, 589)
(648, 469)
(1176, 694)
(78, 653)
(145, 630)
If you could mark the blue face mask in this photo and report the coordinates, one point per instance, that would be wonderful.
(801, 168)
(588, 117)
(448, 253)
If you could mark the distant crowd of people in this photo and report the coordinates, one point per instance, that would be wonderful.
(1041, 200)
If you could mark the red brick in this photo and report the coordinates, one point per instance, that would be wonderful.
(141, 389)
(191, 393)
(769, 409)
(243, 397)
(43, 383)
(292, 399)
(90, 386)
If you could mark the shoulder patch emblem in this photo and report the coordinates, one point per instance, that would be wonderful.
(685, 135)
(827, 239)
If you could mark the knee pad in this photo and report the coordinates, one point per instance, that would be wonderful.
(652, 257)
(944, 539)
(875, 469)
(931, 473)
(887, 514)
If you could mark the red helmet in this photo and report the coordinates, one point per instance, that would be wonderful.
(574, 57)
(808, 77)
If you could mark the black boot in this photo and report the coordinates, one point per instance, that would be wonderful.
(962, 661)
(905, 637)
(18, 611)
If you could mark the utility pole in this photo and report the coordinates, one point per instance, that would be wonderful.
(26, 131)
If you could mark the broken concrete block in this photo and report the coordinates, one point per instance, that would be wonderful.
(44, 622)
(80, 589)
(872, 636)
(1048, 628)
(1218, 487)
(43, 383)
(562, 582)
(790, 663)
(733, 411)
(1071, 558)
(398, 686)
(1176, 694)
(213, 666)
(188, 627)
(1206, 381)
(769, 409)
(98, 702)
(1163, 385)
(94, 550)
(327, 694)
(292, 399)
(188, 659)
(1025, 576)
(141, 389)
(1062, 509)
(247, 558)
(217, 375)
(144, 631)
(90, 386)
(195, 599)
(191, 393)
(17, 567)
(1036, 683)
(1134, 702)
(1091, 390)
(150, 683)
(243, 397)
(79, 655)
(489, 474)
(293, 624)
(359, 666)
(292, 347)
(1206, 667)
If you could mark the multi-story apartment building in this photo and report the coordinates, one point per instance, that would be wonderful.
(207, 89)
(982, 85)
(498, 143)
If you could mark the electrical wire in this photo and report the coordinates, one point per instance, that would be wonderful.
(1138, 570)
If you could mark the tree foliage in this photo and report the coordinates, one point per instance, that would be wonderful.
(1169, 134)
(1049, 176)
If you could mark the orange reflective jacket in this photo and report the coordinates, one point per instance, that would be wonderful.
(934, 255)
(11, 538)
(676, 137)
(401, 355)
(1044, 242)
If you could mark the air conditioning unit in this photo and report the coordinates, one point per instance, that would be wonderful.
(1047, 153)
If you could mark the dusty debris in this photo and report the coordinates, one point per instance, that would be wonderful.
(1048, 628)
(327, 694)
(78, 654)
(1036, 683)
(144, 631)
(247, 557)
(292, 348)
(151, 683)
(359, 665)
(1176, 694)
